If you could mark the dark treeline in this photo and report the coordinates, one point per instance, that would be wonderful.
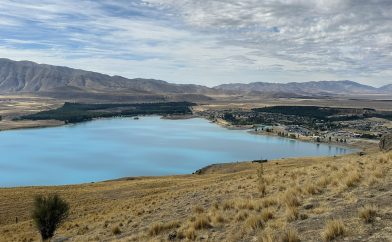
(326, 113)
(79, 112)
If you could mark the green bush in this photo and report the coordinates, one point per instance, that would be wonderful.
(48, 214)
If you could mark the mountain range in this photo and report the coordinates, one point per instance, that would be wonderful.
(313, 87)
(65, 82)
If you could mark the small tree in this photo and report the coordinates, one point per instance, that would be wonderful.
(48, 214)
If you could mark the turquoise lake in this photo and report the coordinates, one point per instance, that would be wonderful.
(106, 149)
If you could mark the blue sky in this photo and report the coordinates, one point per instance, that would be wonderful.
(206, 42)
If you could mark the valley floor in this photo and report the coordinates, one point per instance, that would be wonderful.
(309, 199)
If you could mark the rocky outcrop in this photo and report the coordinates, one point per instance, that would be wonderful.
(386, 142)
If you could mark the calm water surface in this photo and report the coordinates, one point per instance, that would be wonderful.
(112, 148)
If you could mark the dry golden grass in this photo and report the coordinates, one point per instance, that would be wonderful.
(198, 209)
(254, 222)
(217, 217)
(202, 222)
(269, 201)
(311, 189)
(241, 216)
(160, 227)
(267, 237)
(333, 229)
(116, 230)
(223, 204)
(290, 235)
(367, 213)
(291, 198)
(352, 178)
(189, 233)
(267, 214)
(292, 213)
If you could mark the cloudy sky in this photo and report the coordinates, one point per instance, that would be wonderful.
(206, 41)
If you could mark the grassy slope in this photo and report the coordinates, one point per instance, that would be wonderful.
(224, 204)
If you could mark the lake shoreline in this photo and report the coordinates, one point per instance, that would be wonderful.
(359, 144)
(198, 172)
(162, 146)
(56, 123)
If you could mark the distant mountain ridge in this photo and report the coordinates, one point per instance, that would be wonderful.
(313, 87)
(26, 76)
(65, 82)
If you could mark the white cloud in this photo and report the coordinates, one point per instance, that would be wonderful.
(208, 42)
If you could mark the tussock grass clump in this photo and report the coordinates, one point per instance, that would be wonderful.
(116, 230)
(324, 181)
(352, 179)
(291, 213)
(311, 189)
(268, 202)
(290, 235)
(291, 198)
(334, 228)
(228, 205)
(267, 237)
(267, 214)
(241, 216)
(158, 228)
(367, 213)
(379, 172)
(198, 209)
(254, 222)
(217, 217)
(188, 233)
(383, 159)
(202, 222)
(372, 181)
(247, 204)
